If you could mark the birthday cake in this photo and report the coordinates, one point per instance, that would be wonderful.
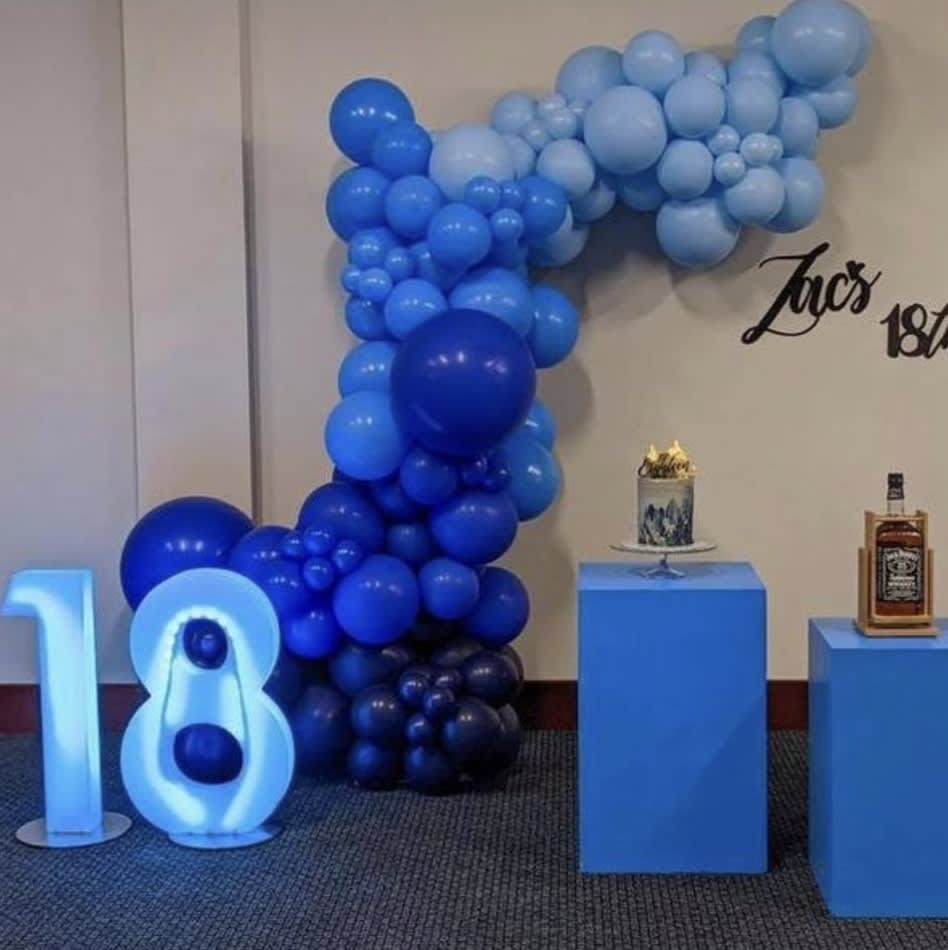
(666, 498)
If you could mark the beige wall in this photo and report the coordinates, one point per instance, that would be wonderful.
(793, 437)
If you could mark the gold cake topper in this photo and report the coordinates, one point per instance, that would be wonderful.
(672, 463)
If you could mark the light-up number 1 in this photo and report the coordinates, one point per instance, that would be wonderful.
(62, 604)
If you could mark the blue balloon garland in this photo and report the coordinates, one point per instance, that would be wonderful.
(396, 625)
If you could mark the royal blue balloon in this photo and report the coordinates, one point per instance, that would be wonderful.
(345, 511)
(346, 556)
(400, 264)
(208, 754)
(367, 367)
(363, 109)
(285, 682)
(375, 284)
(401, 149)
(378, 602)
(541, 424)
(499, 292)
(379, 716)
(544, 207)
(491, 676)
(258, 547)
(411, 542)
(461, 382)
(506, 225)
(697, 233)
(589, 72)
(469, 734)
(449, 589)
(427, 478)
(410, 304)
(535, 476)
(428, 770)
(409, 205)
(365, 319)
(282, 581)
(356, 200)
(354, 667)
(178, 535)
(319, 574)
(430, 270)
(313, 635)
(555, 327)
(475, 527)
(321, 730)
(362, 437)
(502, 610)
(483, 194)
(392, 501)
(371, 765)
(458, 236)
(369, 248)
(625, 130)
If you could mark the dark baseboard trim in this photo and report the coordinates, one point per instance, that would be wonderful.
(543, 704)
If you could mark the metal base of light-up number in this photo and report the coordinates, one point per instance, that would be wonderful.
(37, 834)
(259, 835)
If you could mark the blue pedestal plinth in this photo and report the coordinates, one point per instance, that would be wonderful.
(879, 771)
(672, 720)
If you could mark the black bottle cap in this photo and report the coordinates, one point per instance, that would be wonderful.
(896, 485)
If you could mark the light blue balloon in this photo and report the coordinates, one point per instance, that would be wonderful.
(362, 438)
(555, 327)
(595, 204)
(523, 156)
(547, 105)
(797, 126)
(752, 105)
(805, 190)
(759, 148)
(561, 247)
(833, 103)
(589, 72)
(541, 424)
(458, 236)
(815, 41)
(699, 62)
(497, 291)
(697, 233)
(757, 197)
(865, 41)
(535, 135)
(694, 106)
(729, 169)
(367, 367)
(464, 152)
(625, 130)
(534, 474)
(725, 139)
(686, 169)
(755, 34)
(653, 60)
(569, 164)
(641, 192)
(561, 124)
(410, 304)
(758, 64)
(512, 112)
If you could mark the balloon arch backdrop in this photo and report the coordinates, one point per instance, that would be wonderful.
(395, 622)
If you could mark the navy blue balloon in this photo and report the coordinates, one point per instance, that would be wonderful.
(402, 149)
(177, 536)
(355, 667)
(469, 734)
(371, 765)
(205, 643)
(321, 730)
(285, 682)
(475, 527)
(514, 657)
(412, 686)
(504, 750)
(361, 110)
(491, 676)
(379, 715)
(282, 581)
(456, 651)
(449, 678)
(419, 730)
(348, 512)
(207, 753)
(429, 770)
(461, 382)
(502, 610)
(356, 200)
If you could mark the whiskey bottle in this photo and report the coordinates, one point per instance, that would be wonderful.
(899, 559)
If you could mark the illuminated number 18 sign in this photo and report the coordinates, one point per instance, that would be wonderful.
(191, 697)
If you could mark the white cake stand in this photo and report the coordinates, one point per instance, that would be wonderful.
(663, 569)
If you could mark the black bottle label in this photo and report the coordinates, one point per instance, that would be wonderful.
(899, 577)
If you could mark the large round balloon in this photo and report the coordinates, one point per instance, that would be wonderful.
(625, 130)
(555, 327)
(697, 233)
(475, 527)
(588, 73)
(321, 730)
(534, 474)
(361, 110)
(468, 151)
(178, 535)
(356, 200)
(345, 512)
(378, 602)
(461, 382)
(449, 588)
(815, 41)
(502, 610)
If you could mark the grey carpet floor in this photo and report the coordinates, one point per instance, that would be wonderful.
(395, 871)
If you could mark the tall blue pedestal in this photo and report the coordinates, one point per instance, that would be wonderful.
(672, 720)
(879, 771)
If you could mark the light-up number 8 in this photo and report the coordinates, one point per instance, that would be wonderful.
(181, 694)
